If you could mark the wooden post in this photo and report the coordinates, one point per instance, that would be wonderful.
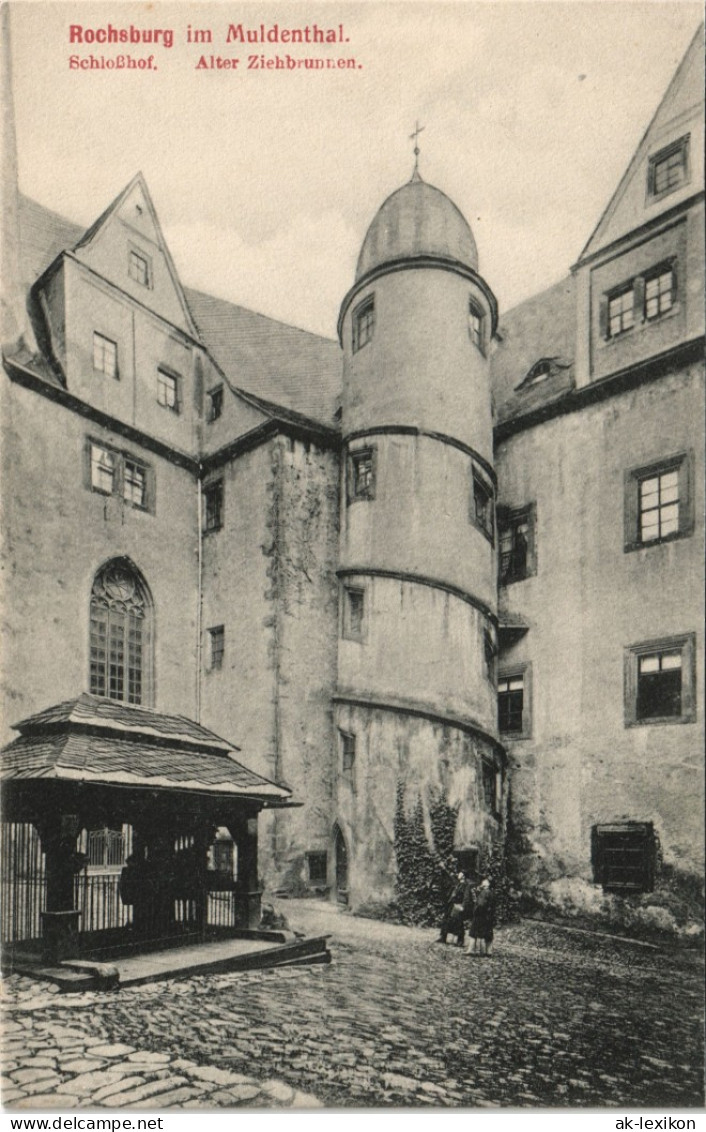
(248, 891)
(58, 833)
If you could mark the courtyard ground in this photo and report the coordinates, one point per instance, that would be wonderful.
(555, 1018)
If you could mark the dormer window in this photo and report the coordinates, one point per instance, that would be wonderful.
(363, 323)
(475, 325)
(139, 268)
(540, 370)
(669, 168)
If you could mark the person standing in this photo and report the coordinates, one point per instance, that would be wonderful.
(482, 922)
(457, 911)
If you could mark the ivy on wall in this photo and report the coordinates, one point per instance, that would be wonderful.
(424, 872)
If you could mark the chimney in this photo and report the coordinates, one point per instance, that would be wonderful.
(13, 308)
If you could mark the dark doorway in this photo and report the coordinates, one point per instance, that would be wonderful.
(341, 867)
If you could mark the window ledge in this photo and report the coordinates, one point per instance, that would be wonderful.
(686, 533)
(663, 720)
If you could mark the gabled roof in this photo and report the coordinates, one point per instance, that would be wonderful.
(682, 99)
(138, 183)
(103, 742)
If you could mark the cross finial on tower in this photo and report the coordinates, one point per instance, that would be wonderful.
(415, 136)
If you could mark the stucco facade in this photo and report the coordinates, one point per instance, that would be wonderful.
(428, 562)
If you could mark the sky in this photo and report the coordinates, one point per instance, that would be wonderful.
(265, 181)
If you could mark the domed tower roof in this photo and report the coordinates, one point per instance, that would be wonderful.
(417, 220)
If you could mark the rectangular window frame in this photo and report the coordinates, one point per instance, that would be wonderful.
(612, 840)
(217, 645)
(212, 519)
(347, 744)
(137, 259)
(480, 486)
(355, 491)
(352, 627)
(105, 355)
(167, 380)
(516, 671)
(508, 519)
(363, 323)
(683, 464)
(317, 867)
(121, 460)
(491, 782)
(686, 644)
(680, 146)
(215, 404)
(476, 325)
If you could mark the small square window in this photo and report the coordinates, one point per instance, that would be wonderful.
(621, 311)
(318, 867)
(134, 484)
(213, 506)
(658, 503)
(139, 268)
(215, 403)
(669, 168)
(361, 475)
(217, 637)
(347, 750)
(363, 323)
(514, 715)
(103, 469)
(482, 506)
(476, 326)
(353, 613)
(168, 390)
(516, 538)
(105, 355)
(624, 856)
(660, 682)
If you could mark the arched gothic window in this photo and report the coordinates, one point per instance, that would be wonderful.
(121, 634)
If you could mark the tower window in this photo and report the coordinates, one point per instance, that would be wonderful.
(490, 651)
(476, 325)
(168, 390)
(213, 506)
(353, 613)
(363, 323)
(105, 355)
(361, 475)
(347, 750)
(482, 506)
(492, 787)
(215, 403)
(669, 168)
(217, 638)
(139, 268)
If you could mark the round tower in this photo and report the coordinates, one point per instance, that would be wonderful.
(416, 701)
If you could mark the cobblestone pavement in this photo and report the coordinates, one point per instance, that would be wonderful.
(554, 1018)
